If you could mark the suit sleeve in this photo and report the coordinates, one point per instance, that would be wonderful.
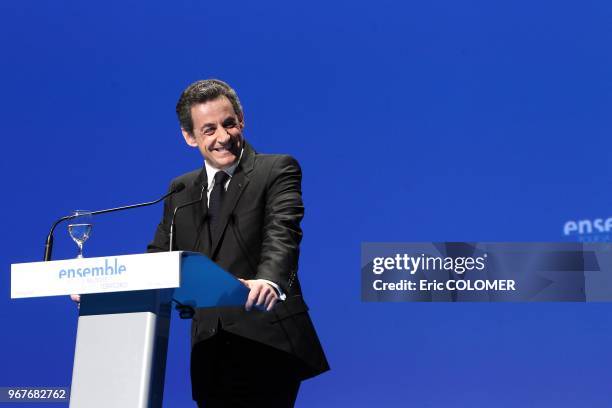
(281, 232)
(161, 240)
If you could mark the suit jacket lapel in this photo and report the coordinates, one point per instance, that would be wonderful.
(236, 186)
(201, 240)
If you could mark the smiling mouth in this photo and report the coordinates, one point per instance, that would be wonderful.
(222, 149)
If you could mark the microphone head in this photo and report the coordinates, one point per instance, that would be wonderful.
(179, 187)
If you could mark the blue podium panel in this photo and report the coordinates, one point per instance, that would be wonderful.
(205, 284)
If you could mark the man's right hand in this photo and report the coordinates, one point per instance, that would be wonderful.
(76, 298)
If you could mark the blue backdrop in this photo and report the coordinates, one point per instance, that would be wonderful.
(413, 121)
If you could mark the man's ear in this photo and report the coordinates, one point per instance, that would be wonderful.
(189, 138)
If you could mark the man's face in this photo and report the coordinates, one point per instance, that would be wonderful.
(217, 132)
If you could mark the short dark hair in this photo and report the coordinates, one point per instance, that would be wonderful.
(203, 91)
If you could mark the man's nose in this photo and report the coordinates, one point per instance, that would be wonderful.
(223, 135)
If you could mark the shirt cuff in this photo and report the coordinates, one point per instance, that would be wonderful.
(280, 293)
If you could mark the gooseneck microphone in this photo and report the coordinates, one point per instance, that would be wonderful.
(49, 242)
(176, 210)
(185, 311)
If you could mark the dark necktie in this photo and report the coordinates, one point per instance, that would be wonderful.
(215, 202)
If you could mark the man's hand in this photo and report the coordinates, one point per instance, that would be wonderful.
(261, 294)
(76, 299)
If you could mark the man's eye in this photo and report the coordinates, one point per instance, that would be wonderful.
(229, 124)
(208, 131)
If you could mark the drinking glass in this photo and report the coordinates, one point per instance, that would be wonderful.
(80, 228)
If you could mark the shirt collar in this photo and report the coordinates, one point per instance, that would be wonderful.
(211, 171)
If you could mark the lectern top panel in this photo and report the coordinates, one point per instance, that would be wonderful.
(96, 275)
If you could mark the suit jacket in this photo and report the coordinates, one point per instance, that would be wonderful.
(258, 238)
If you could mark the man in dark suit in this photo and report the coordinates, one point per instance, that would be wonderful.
(249, 224)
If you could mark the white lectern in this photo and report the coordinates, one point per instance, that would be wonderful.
(124, 317)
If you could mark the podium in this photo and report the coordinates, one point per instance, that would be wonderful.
(124, 317)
